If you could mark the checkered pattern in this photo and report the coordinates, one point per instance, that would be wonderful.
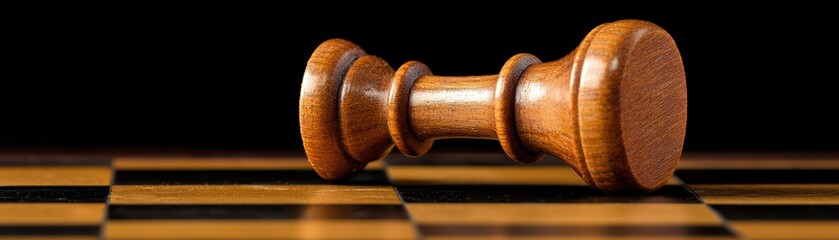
(440, 196)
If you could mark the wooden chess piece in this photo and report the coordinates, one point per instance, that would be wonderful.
(614, 109)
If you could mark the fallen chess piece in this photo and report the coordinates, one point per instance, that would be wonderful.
(614, 109)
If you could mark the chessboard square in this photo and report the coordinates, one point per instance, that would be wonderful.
(537, 194)
(591, 237)
(253, 194)
(453, 231)
(55, 176)
(231, 177)
(779, 212)
(600, 214)
(45, 232)
(53, 214)
(490, 175)
(787, 229)
(259, 229)
(289, 162)
(91, 194)
(285, 211)
(42, 237)
(768, 193)
(212, 163)
(766, 162)
(66, 160)
(759, 176)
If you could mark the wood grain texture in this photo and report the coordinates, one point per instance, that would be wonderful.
(505, 108)
(749, 194)
(55, 176)
(319, 97)
(787, 229)
(438, 104)
(364, 95)
(614, 109)
(607, 237)
(565, 214)
(495, 175)
(632, 106)
(50, 238)
(217, 163)
(480, 175)
(398, 109)
(253, 194)
(259, 229)
(752, 160)
(57, 214)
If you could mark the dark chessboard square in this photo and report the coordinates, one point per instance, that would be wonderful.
(225, 177)
(758, 176)
(48, 230)
(354, 212)
(569, 231)
(69, 161)
(98, 194)
(779, 212)
(537, 194)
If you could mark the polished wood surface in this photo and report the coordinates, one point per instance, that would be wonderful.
(55, 175)
(497, 175)
(259, 229)
(252, 194)
(437, 196)
(210, 163)
(789, 194)
(787, 230)
(59, 214)
(614, 109)
(572, 214)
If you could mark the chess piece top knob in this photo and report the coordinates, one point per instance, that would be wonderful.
(614, 109)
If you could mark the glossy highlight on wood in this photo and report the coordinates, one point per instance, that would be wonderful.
(614, 109)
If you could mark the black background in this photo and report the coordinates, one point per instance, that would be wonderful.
(228, 76)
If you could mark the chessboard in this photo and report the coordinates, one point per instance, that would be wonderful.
(438, 196)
